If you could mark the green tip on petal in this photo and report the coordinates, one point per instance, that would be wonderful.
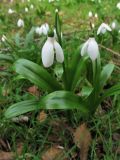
(51, 33)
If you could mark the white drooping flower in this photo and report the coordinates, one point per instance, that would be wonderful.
(90, 14)
(31, 6)
(103, 28)
(10, 11)
(50, 1)
(90, 48)
(93, 25)
(118, 5)
(96, 15)
(20, 23)
(113, 25)
(50, 51)
(3, 39)
(26, 9)
(43, 29)
(38, 30)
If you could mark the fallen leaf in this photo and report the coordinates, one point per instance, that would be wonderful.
(33, 90)
(21, 119)
(11, 155)
(54, 153)
(41, 116)
(116, 137)
(6, 155)
(82, 139)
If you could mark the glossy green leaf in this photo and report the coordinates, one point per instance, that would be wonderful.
(105, 74)
(37, 75)
(54, 100)
(63, 100)
(76, 70)
(21, 108)
(6, 58)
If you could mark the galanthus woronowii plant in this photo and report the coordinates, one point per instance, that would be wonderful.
(60, 94)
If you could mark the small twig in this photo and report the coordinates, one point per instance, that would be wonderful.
(110, 50)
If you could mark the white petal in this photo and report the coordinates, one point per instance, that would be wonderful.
(103, 27)
(44, 30)
(107, 27)
(99, 30)
(59, 52)
(47, 54)
(93, 50)
(84, 48)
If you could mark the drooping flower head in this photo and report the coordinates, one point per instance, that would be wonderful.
(3, 39)
(50, 51)
(20, 23)
(90, 48)
(26, 9)
(118, 5)
(90, 14)
(113, 25)
(103, 28)
(43, 29)
(10, 11)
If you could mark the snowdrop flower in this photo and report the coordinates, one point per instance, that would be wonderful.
(56, 11)
(50, 1)
(90, 14)
(90, 47)
(113, 25)
(44, 29)
(31, 6)
(50, 50)
(3, 39)
(103, 28)
(118, 5)
(10, 11)
(20, 23)
(26, 9)
(93, 25)
(96, 15)
(38, 30)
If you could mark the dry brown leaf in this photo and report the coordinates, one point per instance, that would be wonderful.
(33, 90)
(6, 155)
(11, 155)
(54, 153)
(41, 116)
(82, 139)
(20, 119)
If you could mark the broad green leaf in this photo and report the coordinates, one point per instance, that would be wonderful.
(75, 71)
(78, 71)
(63, 100)
(86, 91)
(37, 75)
(21, 108)
(6, 58)
(105, 74)
(54, 100)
